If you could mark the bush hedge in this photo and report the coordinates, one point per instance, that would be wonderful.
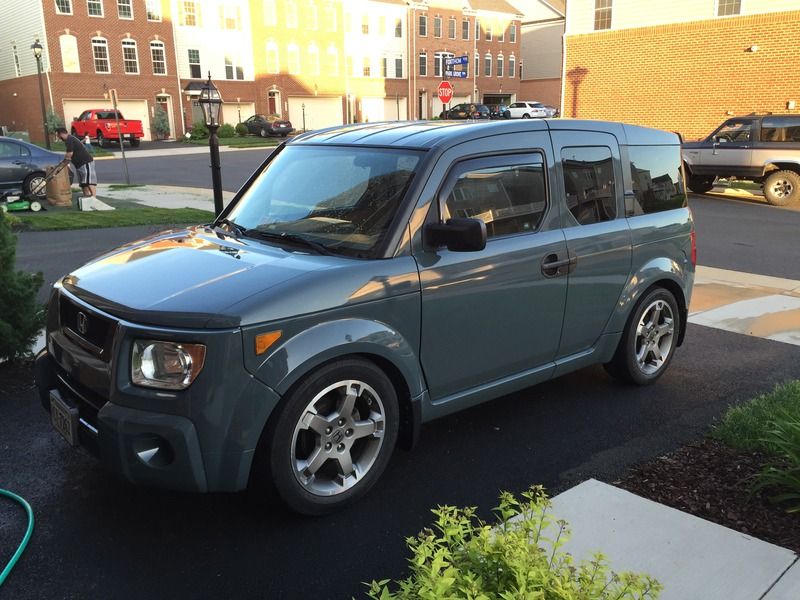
(226, 131)
(241, 129)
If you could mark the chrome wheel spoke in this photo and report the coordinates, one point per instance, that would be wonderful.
(349, 403)
(314, 422)
(368, 428)
(309, 467)
(654, 337)
(345, 460)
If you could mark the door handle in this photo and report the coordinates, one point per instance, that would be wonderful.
(18, 162)
(552, 265)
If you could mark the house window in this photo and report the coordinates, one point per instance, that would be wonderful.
(439, 66)
(423, 64)
(100, 53)
(512, 33)
(398, 28)
(729, 7)
(398, 68)
(63, 7)
(313, 60)
(194, 64)
(190, 14)
(602, 14)
(437, 27)
(153, 10)
(365, 24)
(366, 69)
(385, 66)
(95, 8)
(229, 17)
(423, 25)
(273, 65)
(488, 33)
(294, 59)
(476, 68)
(158, 56)
(487, 65)
(233, 71)
(130, 59)
(312, 17)
(333, 61)
(512, 66)
(291, 15)
(70, 60)
(465, 29)
(500, 65)
(501, 36)
(270, 13)
(16, 57)
(124, 9)
(451, 28)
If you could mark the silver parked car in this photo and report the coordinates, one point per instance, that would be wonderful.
(527, 110)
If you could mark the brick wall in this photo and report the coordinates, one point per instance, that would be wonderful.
(21, 108)
(685, 77)
(546, 91)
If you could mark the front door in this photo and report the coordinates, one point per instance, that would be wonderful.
(495, 314)
(274, 103)
(728, 150)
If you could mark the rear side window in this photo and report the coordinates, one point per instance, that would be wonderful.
(657, 180)
(780, 129)
(589, 183)
(506, 193)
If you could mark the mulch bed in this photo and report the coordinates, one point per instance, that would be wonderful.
(712, 481)
(15, 377)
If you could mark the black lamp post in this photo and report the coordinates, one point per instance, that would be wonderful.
(37, 52)
(211, 103)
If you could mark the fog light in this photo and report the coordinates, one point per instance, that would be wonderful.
(153, 450)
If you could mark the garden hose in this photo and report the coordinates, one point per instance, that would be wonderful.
(25, 539)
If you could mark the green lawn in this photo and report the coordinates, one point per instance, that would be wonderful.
(249, 141)
(60, 219)
(59, 147)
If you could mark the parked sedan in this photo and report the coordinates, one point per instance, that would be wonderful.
(268, 125)
(527, 110)
(498, 111)
(23, 165)
(466, 111)
(551, 111)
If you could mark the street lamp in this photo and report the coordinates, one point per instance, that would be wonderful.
(37, 52)
(211, 103)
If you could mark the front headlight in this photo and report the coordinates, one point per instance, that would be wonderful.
(166, 365)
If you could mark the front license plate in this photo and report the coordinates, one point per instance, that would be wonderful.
(64, 418)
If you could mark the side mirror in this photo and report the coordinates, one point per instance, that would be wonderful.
(458, 235)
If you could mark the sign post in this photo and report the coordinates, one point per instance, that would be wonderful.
(445, 92)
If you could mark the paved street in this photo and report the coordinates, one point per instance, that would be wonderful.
(97, 536)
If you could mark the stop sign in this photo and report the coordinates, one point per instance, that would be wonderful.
(445, 92)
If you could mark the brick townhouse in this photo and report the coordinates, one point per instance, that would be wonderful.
(90, 46)
(684, 65)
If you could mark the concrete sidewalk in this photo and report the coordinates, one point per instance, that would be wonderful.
(694, 559)
(178, 149)
(163, 196)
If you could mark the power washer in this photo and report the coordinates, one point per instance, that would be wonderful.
(25, 539)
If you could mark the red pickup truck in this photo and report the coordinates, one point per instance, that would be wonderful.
(101, 125)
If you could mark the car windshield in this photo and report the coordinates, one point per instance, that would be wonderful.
(343, 198)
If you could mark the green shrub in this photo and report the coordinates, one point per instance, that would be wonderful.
(160, 122)
(466, 558)
(199, 130)
(226, 130)
(783, 474)
(21, 318)
(54, 120)
(241, 129)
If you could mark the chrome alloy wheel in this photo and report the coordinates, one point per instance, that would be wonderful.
(655, 335)
(782, 188)
(338, 438)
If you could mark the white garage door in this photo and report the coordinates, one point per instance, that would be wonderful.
(130, 109)
(391, 110)
(232, 110)
(372, 109)
(320, 112)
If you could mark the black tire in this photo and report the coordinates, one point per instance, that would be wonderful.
(283, 135)
(625, 365)
(280, 443)
(102, 142)
(32, 182)
(264, 133)
(526, 116)
(782, 188)
(135, 142)
(699, 184)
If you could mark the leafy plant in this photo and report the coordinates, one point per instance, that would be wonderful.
(241, 129)
(54, 120)
(226, 130)
(199, 130)
(519, 559)
(160, 122)
(783, 473)
(21, 318)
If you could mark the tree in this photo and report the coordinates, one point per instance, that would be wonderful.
(21, 318)
(54, 120)
(160, 123)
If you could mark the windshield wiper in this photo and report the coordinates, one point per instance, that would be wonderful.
(233, 228)
(288, 237)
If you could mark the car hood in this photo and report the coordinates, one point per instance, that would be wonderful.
(187, 278)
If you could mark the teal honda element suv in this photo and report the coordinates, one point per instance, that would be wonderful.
(365, 280)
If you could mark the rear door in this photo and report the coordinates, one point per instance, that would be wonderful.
(14, 164)
(496, 313)
(597, 234)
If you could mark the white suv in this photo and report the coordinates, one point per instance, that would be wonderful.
(526, 110)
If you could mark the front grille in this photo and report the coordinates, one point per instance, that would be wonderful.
(87, 328)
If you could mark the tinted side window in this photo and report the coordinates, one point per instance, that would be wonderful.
(735, 131)
(12, 150)
(589, 184)
(657, 180)
(510, 198)
(780, 129)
